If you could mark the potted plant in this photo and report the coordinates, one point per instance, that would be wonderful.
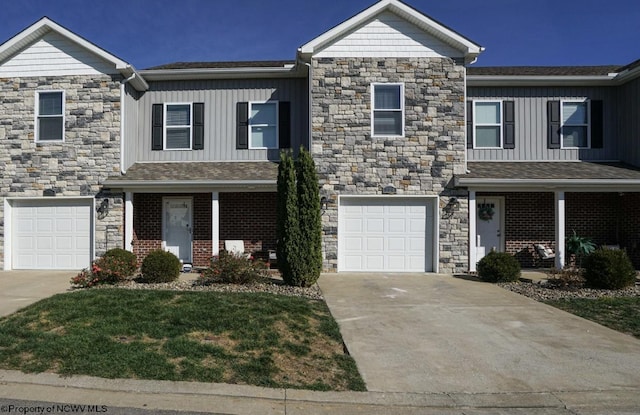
(578, 247)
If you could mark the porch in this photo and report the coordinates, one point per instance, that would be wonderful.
(543, 203)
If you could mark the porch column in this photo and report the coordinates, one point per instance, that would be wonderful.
(215, 223)
(472, 231)
(128, 221)
(560, 220)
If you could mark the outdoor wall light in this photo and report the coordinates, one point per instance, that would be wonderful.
(324, 202)
(103, 208)
(453, 205)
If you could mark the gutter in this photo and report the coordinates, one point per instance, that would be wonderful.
(594, 184)
(119, 183)
(538, 80)
(221, 73)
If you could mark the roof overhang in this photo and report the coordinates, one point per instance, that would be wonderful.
(46, 25)
(470, 49)
(567, 185)
(182, 186)
(287, 71)
(529, 80)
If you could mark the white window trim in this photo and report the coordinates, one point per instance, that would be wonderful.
(401, 109)
(165, 127)
(477, 124)
(588, 124)
(250, 125)
(37, 115)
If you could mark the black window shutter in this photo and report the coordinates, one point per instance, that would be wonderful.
(242, 127)
(553, 124)
(156, 126)
(284, 124)
(469, 124)
(597, 130)
(198, 126)
(509, 124)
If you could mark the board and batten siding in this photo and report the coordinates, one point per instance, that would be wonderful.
(531, 123)
(54, 55)
(629, 124)
(220, 98)
(388, 35)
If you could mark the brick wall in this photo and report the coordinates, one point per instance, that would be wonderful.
(147, 225)
(250, 217)
(607, 218)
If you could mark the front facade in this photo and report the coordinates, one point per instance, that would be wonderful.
(425, 162)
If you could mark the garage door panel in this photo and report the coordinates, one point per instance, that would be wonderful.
(51, 234)
(395, 234)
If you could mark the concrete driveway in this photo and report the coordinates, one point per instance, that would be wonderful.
(440, 334)
(18, 289)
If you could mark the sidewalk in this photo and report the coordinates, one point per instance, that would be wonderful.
(242, 399)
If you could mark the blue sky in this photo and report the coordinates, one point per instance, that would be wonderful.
(514, 32)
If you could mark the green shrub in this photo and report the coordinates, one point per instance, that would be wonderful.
(610, 269)
(499, 267)
(230, 268)
(288, 225)
(128, 260)
(160, 266)
(113, 267)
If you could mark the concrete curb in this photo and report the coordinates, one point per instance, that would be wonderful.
(241, 399)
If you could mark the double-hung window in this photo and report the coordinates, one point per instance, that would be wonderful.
(575, 124)
(178, 123)
(488, 124)
(49, 116)
(387, 107)
(263, 125)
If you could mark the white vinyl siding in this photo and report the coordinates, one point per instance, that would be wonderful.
(263, 125)
(388, 36)
(54, 55)
(49, 116)
(387, 110)
(487, 119)
(177, 126)
(575, 124)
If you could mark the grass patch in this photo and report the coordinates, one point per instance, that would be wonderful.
(621, 314)
(247, 338)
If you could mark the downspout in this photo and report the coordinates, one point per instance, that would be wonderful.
(122, 112)
(310, 115)
(466, 150)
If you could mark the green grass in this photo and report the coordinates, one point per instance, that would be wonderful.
(621, 314)
(256, 339)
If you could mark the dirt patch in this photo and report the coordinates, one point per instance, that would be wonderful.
(206, 337)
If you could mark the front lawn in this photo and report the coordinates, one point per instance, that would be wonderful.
(244, 338)
(621, 314)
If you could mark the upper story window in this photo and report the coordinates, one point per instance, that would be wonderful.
(387, 109)
(49, 116)
(177, 134)
(263, 125)
(488, 124)
(575, 124)
(177, 126)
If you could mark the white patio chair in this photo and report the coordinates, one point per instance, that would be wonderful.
(236, 247)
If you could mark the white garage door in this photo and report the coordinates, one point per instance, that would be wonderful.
(51, 234)
(385, 234)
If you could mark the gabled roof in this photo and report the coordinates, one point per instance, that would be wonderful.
(469, 48)
(45, 25)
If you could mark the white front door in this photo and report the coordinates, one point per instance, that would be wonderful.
(489, 223)
(178, 227)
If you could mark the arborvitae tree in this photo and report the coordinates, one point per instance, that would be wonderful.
(288, 226)
(310, 221)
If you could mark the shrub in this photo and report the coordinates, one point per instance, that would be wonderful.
(230, 268)
(566, 279)
(610, 269)
(310, 221)
(288, 226)
(160, 266)
(111, 268)
(499, 267)
(128, 260)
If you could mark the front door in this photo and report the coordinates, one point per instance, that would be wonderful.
(488, 226)
(178, 227)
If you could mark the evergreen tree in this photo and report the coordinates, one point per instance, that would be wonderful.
(310, 220)
(288, 227)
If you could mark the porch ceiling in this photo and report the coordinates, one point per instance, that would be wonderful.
(551, 175)
(210, 174)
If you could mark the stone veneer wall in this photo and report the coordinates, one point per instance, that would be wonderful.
(77, 167)
(351, 162)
